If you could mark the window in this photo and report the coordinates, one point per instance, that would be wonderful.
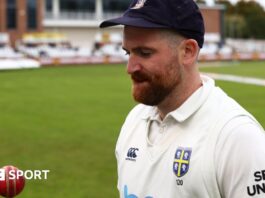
(11, 14)
(48, 5)
(115, 5)
(32, 14)
(77, 5)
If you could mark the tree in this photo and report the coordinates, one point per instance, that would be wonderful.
(235, 26)
(201, 1)
(229, 8)
(246, 19)
(254, 16)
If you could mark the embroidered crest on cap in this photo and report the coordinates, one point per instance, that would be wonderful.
(182, 161)
(139, 4)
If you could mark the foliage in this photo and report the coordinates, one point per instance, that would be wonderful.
(201, 1)
(235, 26)
(246, 19)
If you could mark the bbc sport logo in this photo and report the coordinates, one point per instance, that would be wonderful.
(2, 175)
(27, 174)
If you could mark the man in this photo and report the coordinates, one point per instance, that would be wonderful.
(187, 138)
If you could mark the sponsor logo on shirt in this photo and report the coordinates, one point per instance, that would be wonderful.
(127, 195)
(132, 154)
(259, 184)
(182, 161)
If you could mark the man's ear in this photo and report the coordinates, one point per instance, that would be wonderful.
(190, 50)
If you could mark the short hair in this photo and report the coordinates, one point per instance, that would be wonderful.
(173, 37)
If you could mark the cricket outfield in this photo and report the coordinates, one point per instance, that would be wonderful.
(67, 120)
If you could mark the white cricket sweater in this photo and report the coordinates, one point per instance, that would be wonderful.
(210, 147)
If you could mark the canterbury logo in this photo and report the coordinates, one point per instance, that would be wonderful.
(131, 154)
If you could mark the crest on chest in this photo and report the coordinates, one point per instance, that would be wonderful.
(182, 161)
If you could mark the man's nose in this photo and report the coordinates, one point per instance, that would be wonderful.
(133, 65)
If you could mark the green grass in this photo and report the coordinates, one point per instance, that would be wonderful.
(252, 69)
(67, 120)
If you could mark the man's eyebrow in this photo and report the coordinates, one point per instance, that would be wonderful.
(138, 48)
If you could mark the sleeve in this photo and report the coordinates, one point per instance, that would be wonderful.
(240, 160)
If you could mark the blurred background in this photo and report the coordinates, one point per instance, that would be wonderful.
(66, 31)
(65, 92)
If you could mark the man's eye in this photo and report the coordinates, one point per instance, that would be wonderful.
(145, 53)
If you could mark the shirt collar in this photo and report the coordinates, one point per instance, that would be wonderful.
(190, 106)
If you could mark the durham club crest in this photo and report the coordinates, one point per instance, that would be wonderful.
(182, 161)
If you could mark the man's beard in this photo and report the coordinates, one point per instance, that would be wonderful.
(152, 89)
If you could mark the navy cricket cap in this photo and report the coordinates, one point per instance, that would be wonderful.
(183, 16)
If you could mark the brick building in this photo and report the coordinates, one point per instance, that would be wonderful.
(214, 22)
(20, 16)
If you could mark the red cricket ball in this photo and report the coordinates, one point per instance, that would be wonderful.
(11, 183)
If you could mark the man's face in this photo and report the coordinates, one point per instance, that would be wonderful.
(153, 65)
